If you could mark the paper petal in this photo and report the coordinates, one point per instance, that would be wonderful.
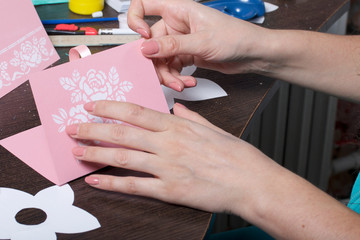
(71, 219)
(11, 202)
(35, 233)
(204, 90)
(55, 196)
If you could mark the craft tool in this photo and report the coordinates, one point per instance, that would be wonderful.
(91, 40)
(116, 31)
(66, 27)
(78, 20)
(83, 31)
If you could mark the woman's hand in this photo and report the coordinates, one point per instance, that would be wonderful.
(191, 33)
(193, 162)
(196, 164)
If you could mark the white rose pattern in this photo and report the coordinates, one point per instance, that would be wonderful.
(95, 85)
(30, 54)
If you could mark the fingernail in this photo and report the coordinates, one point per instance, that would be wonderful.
(72, 129)
(78, 151)
(89, 106)
(175, 86)
(143, 32)
(150, 47)
(190, 83)
(92, 180)
(180, 105)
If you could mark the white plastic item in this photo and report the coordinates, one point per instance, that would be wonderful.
(119, 5)
(97, 14)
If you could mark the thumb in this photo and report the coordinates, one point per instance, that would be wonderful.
(172, 45)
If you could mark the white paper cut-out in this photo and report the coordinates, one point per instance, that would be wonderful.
(56, 202)
(205, 89)
(96, 85)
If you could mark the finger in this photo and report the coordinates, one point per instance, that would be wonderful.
(118, 134)
(121, 157)
(188, 81)
(148, 187)
(158, 29)
(130, 113)
(170, 76)
(135, 18)
(182, 111)
(173, 45)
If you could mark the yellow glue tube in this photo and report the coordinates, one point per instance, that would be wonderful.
(86, 7)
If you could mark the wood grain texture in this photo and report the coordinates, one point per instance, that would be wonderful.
(129, 217)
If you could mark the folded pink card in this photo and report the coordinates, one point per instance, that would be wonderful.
(24, 46)
(121, 74)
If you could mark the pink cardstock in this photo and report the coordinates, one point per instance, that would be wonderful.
(24, 46)
(121, 73)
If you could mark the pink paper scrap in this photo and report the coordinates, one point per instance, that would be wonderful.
(24, 47)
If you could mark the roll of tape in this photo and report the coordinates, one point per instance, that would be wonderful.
(86, 7)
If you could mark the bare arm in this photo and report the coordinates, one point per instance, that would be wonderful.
(209, 169)
(190, 33)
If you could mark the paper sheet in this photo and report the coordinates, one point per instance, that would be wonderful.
(24, 47)
(121, 73)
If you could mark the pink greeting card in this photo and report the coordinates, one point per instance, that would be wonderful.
(24, 45)
(121, 74)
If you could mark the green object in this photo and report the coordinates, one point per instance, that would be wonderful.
(41, 2)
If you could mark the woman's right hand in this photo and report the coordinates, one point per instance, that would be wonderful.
(191, 33)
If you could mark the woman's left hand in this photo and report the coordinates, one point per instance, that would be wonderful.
(194, 163)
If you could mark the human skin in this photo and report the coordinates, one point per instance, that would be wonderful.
(203, 166)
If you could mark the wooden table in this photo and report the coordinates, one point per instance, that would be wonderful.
(130, 217)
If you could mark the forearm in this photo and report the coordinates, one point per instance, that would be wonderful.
(288, 207)
(324, 62)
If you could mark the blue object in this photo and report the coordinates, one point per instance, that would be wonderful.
(78, 20)
(354, 202)
(243, 9)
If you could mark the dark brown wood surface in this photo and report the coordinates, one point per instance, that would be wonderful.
(129, 217)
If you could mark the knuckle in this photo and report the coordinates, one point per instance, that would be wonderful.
(130, 186)
(118, 132)
(172, 45)
(109, 183)
(135, 110)
(121, 158)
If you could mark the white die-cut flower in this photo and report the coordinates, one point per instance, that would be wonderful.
(61, 215)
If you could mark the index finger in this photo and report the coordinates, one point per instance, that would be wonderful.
(130, 113)
(135, 18)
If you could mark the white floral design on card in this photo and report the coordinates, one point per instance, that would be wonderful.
(95, 85)
(27, 54)
(57, 203)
